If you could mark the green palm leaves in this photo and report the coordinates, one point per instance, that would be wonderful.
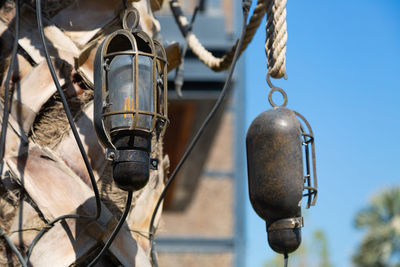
(380, 246)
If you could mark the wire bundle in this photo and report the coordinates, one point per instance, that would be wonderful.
(246, 6)
(6, 112)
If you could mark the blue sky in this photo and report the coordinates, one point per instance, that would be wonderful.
(343, 65)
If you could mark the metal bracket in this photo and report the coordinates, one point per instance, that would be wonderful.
(153, 164)
(126, 155)
(289, 223)
(131, 156)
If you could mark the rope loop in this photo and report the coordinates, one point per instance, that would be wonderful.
(217, 64)
(275, 44)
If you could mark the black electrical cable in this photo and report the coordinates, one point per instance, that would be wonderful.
(13, 248)
(246, 7)
(75, 133)
(7, 100)
(116, 230)
(179, 72)
(285, 260)
(6, 114)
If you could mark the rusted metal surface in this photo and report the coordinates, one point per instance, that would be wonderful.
(275, 171)
(275, 142)
(274, 159)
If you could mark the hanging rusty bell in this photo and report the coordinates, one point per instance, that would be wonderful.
(274, 144)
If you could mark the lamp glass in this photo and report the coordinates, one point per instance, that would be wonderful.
(145, 90)
(120, 86)
(125, 96)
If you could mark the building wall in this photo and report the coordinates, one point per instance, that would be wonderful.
(210, 231)
(210, 214)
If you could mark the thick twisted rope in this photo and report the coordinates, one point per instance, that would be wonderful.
(275, 44)
(205, 56)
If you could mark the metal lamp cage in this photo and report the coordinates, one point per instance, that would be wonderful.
(311, 185)
(129, 114)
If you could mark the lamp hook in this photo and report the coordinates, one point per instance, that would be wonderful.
(130, 18)
(275, 89)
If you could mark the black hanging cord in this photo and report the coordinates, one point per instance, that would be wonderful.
(13, 248)
(246, 7)
(6, 114)
(7, 98)
(179, 72)
(194, 15)
(116, 230)
(285, 260)
(76, 135)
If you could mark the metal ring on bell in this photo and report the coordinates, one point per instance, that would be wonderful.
(277, 89)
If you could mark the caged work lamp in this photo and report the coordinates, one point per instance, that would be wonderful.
(130, 102)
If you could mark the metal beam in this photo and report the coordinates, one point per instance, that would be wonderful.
(240, 160)
(218, 173)
(194, 244)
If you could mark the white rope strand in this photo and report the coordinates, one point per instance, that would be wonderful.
(275, 44)
(205, 56)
